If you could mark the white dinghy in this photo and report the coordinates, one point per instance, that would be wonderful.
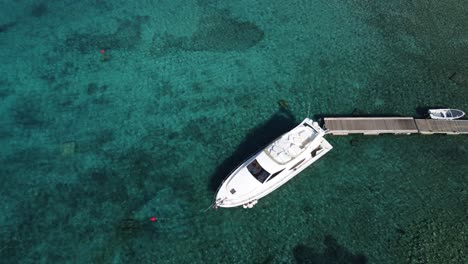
(446, 114)
(273, 166)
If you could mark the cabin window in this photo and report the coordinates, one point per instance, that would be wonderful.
(297, 164)
(274, 174)
(257, 171)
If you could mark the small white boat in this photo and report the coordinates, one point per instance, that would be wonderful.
(273, 166)
(446, 114)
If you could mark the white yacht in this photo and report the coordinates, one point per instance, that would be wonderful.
(446, 114)
(273, 166)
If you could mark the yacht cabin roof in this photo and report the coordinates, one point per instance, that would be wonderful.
(290, 145)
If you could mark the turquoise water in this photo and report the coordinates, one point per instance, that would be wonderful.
(116, 111)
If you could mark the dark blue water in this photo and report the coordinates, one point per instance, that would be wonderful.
(112, 112)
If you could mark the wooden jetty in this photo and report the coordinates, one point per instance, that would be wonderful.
(450, 127)
(393, 125)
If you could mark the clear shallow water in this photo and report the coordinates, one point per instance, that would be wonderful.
(94, 145)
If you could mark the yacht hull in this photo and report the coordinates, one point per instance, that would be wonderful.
(241, 188)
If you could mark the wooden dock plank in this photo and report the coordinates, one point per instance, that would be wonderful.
(393, 125)
(431, 126)
(462, 126)
(370, 125)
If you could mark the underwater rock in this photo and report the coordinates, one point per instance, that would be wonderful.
(94, 88)
(332, 253)
(68, 148)
(39, 10)
(358, 112)
(129, 226)
(215, 33)
(355, 141)
(7, 26)
(223, 33)
(105, 56)
(28, 113)
(460, 77)
(283, 104)
(127, 36)
(5, 89)
(437, 239)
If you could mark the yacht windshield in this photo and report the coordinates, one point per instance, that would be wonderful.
(257, 171)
